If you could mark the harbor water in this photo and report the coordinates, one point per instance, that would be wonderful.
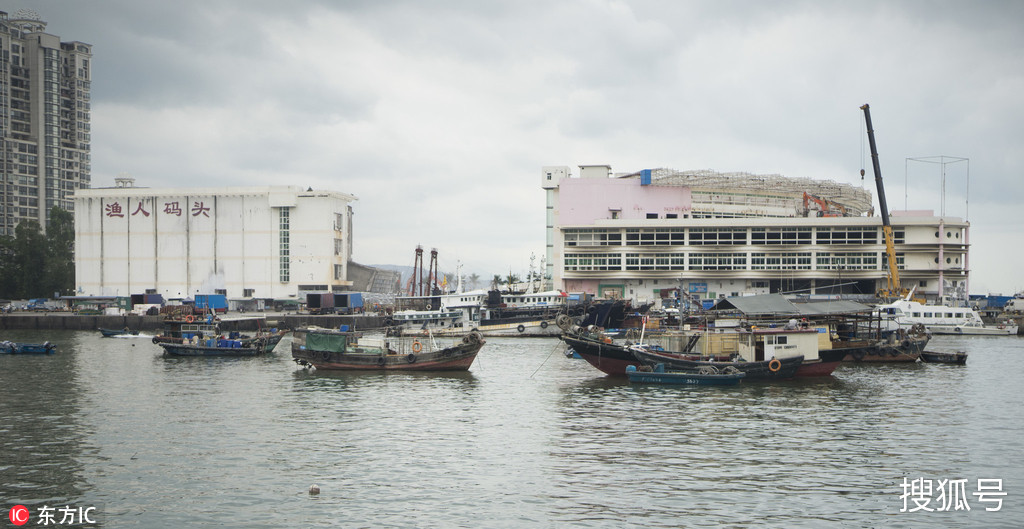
(526, 438)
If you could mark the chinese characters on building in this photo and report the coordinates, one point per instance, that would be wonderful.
(114, 209)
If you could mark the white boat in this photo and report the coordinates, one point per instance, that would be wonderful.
(939, 319)
(488, 312)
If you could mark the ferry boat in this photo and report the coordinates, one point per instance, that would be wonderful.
(491, 313)
(939, 319)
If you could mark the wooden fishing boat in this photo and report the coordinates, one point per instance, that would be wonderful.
(707, 377)
(19, 348)
(934, 357)
(211, 347)
(350, 351)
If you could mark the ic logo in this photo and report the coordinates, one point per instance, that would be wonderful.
(19, 515)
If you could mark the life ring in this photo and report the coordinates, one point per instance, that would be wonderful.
(774, 366)
(411, 358)
(543, 325)
(417, 346)
(190, 318)
(520, 328)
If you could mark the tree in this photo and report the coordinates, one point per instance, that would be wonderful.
(59, 274)
(37, 265)
(29, 260)
(496, 282)
(474, 280)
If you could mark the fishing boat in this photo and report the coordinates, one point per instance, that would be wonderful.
(265, 340)
(211, 347)
(601, 352)
(108, 333)
(19, 348)
(706, 377)
(341, 349)
(934, 357)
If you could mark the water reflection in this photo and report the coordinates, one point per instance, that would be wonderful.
(42, 437)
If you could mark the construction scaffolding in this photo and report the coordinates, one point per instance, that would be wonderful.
(855, 200)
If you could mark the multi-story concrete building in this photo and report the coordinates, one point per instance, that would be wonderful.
(712, 234)
(44, 120)
(272, 242)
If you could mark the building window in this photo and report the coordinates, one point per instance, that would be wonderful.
(339, 272)
(220, 291)
(339, 247)
(284, 246)
(652, 215)
(248, 292)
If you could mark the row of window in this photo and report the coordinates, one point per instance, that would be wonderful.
(582, 262)
(723, 236)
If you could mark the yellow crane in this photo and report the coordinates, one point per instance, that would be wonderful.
(893, 289)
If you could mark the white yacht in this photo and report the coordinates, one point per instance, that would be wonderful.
(939, 319)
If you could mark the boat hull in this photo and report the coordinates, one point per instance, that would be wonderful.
(827, 362)
(883, 352)
(16, 348)
(660, 376)
(607, 357)
(458, 357)
(957, 358)
(522, 329)
(759, 370)
(988, 330)
(183, 349)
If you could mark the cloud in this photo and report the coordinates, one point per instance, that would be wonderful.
(439, 116)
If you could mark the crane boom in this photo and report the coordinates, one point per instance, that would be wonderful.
(894, 289)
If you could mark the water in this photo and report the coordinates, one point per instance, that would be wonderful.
(527, 438)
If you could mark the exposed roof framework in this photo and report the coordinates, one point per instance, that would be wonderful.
(857, 201)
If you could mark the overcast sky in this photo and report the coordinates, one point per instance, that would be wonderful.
(438, 115)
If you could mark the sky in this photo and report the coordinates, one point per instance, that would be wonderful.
(439, 115)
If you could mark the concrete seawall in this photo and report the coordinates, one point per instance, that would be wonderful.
(233, 322)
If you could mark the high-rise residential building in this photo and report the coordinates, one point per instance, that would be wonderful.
(44, 120)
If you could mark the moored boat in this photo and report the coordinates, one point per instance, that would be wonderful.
(346, 350)
(935, 357)
(210, 347)
(20, 348)
(658, 375)
(940, 319)
(107, 333)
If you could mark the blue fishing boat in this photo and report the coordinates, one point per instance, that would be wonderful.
(709, 376)
(16, 348)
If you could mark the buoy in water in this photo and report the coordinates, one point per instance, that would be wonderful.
(314, 490)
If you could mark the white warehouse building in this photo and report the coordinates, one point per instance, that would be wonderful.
(272, 242)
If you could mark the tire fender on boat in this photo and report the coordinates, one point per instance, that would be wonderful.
(411, 358)
(775, 365)
(520, 328)
(543, 325)
(381, 361)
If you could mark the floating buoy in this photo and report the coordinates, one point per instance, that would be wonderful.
(314, 490)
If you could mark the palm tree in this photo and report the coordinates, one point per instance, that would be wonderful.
(474, 280)
(496, 282)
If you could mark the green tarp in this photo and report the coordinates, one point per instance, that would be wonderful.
(334, 343)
